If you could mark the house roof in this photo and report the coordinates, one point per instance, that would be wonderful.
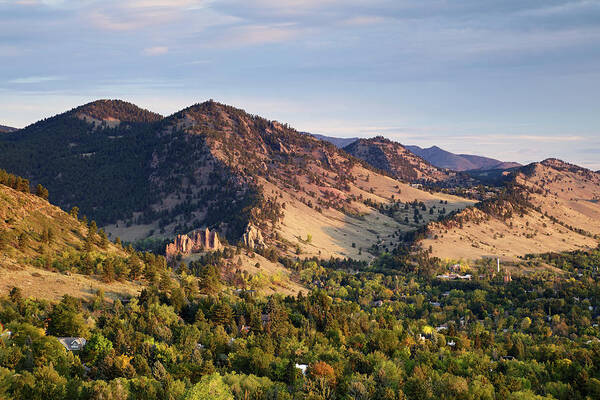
(73, 343)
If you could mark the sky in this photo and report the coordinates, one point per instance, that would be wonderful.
(517, 80)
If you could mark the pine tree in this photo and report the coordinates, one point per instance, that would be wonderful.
(103, 238)
(41, 191)
(74, 212)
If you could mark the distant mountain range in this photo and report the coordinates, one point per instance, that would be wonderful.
(338, 142)
(4, 129)
(401, 163)
(459, 162)
(438, 157)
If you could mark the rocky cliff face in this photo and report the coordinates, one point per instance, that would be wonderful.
(194, 242)
(253, 238)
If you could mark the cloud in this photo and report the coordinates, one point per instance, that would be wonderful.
(156, 51)
(35, 79)
(530, 138)
(280, 7)
(250, 35)
(137, 14)
(107, 22)
(564, 8)
(174, 4)
(364, 20)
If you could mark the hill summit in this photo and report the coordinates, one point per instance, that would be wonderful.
(401, 163)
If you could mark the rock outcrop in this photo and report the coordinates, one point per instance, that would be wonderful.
(253, 238)
(193, 242)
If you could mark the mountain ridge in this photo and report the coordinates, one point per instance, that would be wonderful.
(437, 156)
(215, 166)
(397, 160)
(459, 162)
(7, 129)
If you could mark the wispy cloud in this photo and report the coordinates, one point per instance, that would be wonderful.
(35, 79)
(529, 138)
(364, 20)
(156, 51)
(564, 8)
(137, 14)
(256, 34)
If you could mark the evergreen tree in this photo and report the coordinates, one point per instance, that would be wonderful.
(42, 192)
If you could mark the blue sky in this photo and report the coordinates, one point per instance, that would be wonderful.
(517, 80)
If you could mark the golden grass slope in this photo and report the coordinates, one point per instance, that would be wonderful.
(29, 215)
(350, 234)
(567, 218)
(567, 192)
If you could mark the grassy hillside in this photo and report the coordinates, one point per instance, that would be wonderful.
(40, 245)
(549, 206)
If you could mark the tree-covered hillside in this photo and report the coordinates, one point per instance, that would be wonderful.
(391, 331)
(35, 233)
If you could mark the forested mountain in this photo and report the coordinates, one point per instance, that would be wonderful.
(459, 162)
(401, 163)
(437, 157)
(88, 157)
(213, 165)
(545, 206)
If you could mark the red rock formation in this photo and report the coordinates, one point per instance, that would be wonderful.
(193, 242)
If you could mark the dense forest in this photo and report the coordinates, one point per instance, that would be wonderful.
(193, 335)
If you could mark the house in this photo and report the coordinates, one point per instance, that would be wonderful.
(423, 337)
(72, 343)
(302, 367)
(441, 327)
(451, 343)
(453, 276)
(435, 303)
(377, 303)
